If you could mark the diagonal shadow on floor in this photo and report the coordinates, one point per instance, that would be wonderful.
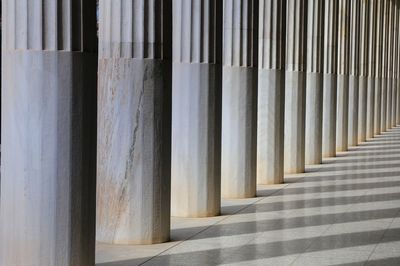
(320, 199)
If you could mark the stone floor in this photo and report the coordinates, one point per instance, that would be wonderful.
(343, 212)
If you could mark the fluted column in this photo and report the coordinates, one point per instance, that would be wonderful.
(354, 70)
(314, 82)
(134, 122)
(196, 108)
(295, 81)
(384, 66)
(378, 66)
(330, 79)
(48, 156)
(397, 64)
(239, 99)
(373, 4)
(394, 65)
(390, 90)
(362, 86)
(271, 89)
(343, 76)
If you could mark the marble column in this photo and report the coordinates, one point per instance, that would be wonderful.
(134, 122)
(394, 64)
(239, 100)
(362, 85)
(354, 70)
(295, 86)
(397, 64)
(314, 82)
(196, 108)
(384, 66)
(271, 89)
(390, 90)
(48, 156)
(330, 79)
(378, 70)
(343, 76)
(373, 4)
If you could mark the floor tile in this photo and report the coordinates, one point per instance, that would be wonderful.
(343, 212)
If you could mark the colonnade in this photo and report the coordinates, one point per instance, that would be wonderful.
(195, 100)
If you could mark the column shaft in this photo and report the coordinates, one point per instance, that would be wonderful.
(390, 88)
(196, 108)
(343, 76)
(134, 122)
(239, 100)
(314, 82)
(48, 157)
(397, 64)
(330, 79)
(362, 86)
(295, 81)
(378, 70)
(373, 4)
(394, 64)
(384, 63)
(355, 20)
(271, 87)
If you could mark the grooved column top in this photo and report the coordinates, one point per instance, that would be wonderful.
(355, 21)
(391, 40)
(364, 38)
(330, 36)
(197, 31)
(315, 36)
(381, 27)
(344, 37)
(239, 33)
(134, 29)
(373, 4)
(50, 25)
(296, 35)
(397, 42)
(272, 38)
(385, 48)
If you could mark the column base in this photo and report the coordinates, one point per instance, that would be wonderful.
(133, 156)
(239, 134)
(383, 105)
(389, 104)
(394, 101)
(377, 110)
(270, 131)
(370, 107)
(329, 115)
(295, 108)
(313, 146)
(353, 110)
(362, 109)
(48, 160)
(342, 113)
(196, 140)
